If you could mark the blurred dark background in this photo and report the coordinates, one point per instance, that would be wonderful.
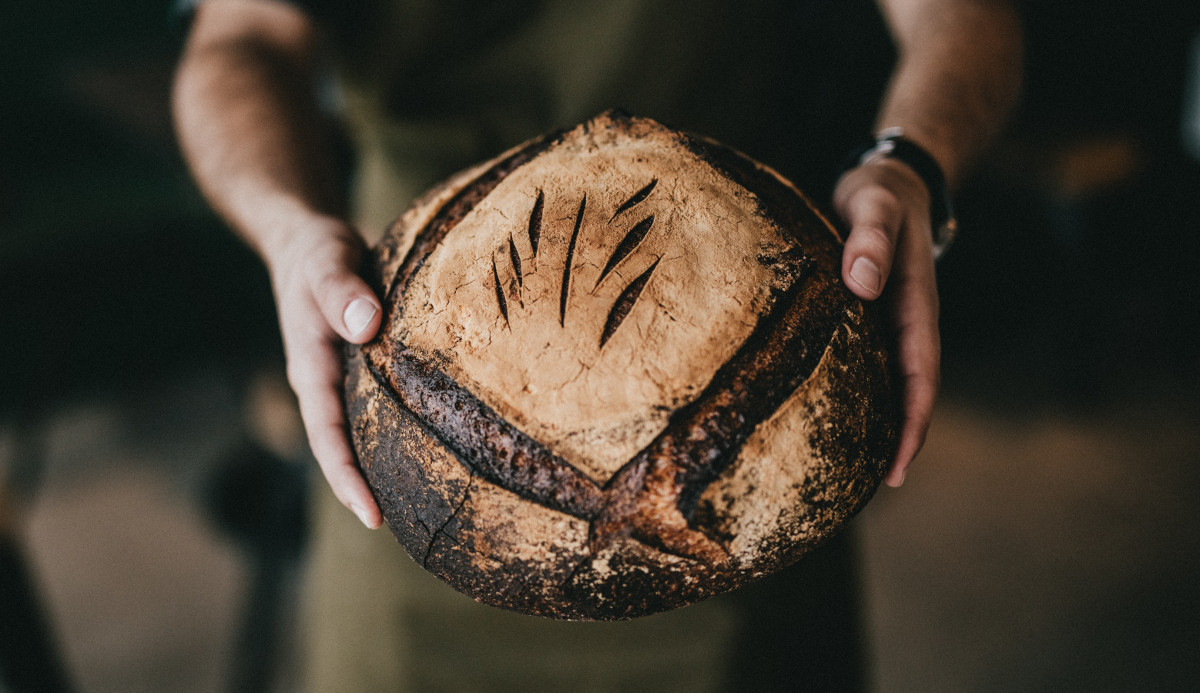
(152, 509)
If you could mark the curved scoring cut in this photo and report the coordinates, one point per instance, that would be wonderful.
(700, 441)
(566, 273)
(635, 198)
(627, 245)
(625, 303)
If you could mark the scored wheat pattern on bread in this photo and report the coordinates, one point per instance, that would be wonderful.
(628, 243)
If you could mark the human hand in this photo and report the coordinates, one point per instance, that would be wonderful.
(886, 206)
(321, 302)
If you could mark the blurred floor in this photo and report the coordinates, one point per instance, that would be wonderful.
(1041, 551)
(144, 597)
(146, 589)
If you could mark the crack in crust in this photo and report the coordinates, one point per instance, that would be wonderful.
(441, 530)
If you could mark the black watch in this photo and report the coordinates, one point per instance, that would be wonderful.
(893, 144)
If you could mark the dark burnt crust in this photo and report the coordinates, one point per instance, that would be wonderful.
(703, 437)
(484, 442)
(427, 504)
(378, 428)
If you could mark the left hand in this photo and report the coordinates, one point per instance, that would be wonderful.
(889, 253)
(322, 303)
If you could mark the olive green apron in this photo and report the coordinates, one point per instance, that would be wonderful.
(429, 88)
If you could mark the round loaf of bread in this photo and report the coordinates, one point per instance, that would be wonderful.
(618, 373)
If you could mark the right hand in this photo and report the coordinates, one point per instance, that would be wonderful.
(886, 206)
(323, 302)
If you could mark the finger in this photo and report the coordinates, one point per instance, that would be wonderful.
(345, 301)
(874, 215)
(920, 392)
(315, 375)
(919, 349)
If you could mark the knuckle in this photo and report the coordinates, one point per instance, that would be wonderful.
(884, 198)
(324, 277)
(872, 241)
(875, 237)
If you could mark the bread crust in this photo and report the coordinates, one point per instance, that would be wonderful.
(618, 373)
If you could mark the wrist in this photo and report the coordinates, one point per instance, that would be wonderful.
(280, 227)
(890, 146)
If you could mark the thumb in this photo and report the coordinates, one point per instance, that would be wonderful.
(874, 216)
(348, 305)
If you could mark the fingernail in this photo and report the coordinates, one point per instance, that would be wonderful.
(358, 315)
(362, 515)
(866, 273)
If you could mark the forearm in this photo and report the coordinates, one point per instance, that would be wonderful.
(250, 128)
(958, 75)
(251, 131)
